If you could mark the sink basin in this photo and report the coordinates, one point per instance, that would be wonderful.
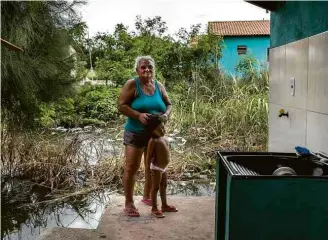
(265, 164)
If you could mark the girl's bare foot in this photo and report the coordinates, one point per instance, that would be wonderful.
(157, 213)
(168, 208)
(147, 201)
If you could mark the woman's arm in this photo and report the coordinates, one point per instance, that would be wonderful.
(166, 100)
(126, 97)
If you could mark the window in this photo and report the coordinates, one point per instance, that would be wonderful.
(241, 49)
(268, 54)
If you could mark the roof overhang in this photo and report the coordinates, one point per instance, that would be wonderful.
(250, 35)
(268, 5)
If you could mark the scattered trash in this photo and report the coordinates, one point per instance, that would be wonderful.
(175, 132)
(76, 130)
(99, 130)
(87, 128)
(60, 129)
(170, 139)
(187, 174)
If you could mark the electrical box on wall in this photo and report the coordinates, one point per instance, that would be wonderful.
(292, 86)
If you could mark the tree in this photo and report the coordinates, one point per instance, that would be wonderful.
(177, 61)
(44, 71)
(151, 26)
(247, 67)
(176, 58)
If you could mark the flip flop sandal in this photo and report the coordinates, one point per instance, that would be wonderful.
(131, 212)
(169, 209)
(157, 214)
(147, 201)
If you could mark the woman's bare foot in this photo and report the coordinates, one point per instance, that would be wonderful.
(130, 210)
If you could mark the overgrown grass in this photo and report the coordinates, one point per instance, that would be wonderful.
(217, 114)
(228, 114)
(55, 162)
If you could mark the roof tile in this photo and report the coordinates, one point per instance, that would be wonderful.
(240, 28)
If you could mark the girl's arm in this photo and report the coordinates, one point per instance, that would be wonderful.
(150, 150)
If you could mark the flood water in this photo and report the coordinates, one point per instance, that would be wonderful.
(27, 210)
(25, 216)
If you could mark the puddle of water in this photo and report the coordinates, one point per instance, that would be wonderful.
(22, 218)
(184, 188)
(108, 143)
(189, 188)
(66, 217)
(25, 216)
(96, 147)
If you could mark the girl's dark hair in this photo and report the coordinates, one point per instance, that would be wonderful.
(153, 122)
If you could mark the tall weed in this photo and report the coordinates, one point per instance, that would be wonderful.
(224, 109)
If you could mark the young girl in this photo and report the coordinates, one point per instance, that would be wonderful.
(158, 154)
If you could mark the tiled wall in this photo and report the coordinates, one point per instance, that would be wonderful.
(305, 60)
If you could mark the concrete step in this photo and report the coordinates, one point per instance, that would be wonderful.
(195, 220)
(59, 233)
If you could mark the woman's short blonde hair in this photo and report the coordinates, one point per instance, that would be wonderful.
(144, 58)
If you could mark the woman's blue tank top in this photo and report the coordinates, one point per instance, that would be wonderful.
(145, 104)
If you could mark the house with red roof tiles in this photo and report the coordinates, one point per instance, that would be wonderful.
(242, 38)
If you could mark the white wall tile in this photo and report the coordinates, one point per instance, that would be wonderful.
(277, 59)
(317, 131)
(317, 99)
(286, 132)
(296, 67)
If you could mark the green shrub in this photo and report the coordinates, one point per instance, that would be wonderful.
(95, 122)
(65, 113)
(91, 104)
(98, 102)
(47, 115)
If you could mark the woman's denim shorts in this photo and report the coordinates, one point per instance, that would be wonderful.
(138, 140)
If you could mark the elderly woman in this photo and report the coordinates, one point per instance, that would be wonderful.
(139, 98)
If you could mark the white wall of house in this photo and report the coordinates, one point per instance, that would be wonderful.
(305, 60)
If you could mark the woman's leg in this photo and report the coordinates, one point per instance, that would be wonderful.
(148, 178)
(132, 164)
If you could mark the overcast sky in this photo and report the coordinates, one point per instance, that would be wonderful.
(103, 15)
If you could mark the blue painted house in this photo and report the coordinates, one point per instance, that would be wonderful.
(241, 38)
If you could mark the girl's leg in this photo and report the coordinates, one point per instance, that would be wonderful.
(156, 181)
(163, 187)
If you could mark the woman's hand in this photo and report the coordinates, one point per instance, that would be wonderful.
(166, 101)
(164, 117)
(143, 118)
